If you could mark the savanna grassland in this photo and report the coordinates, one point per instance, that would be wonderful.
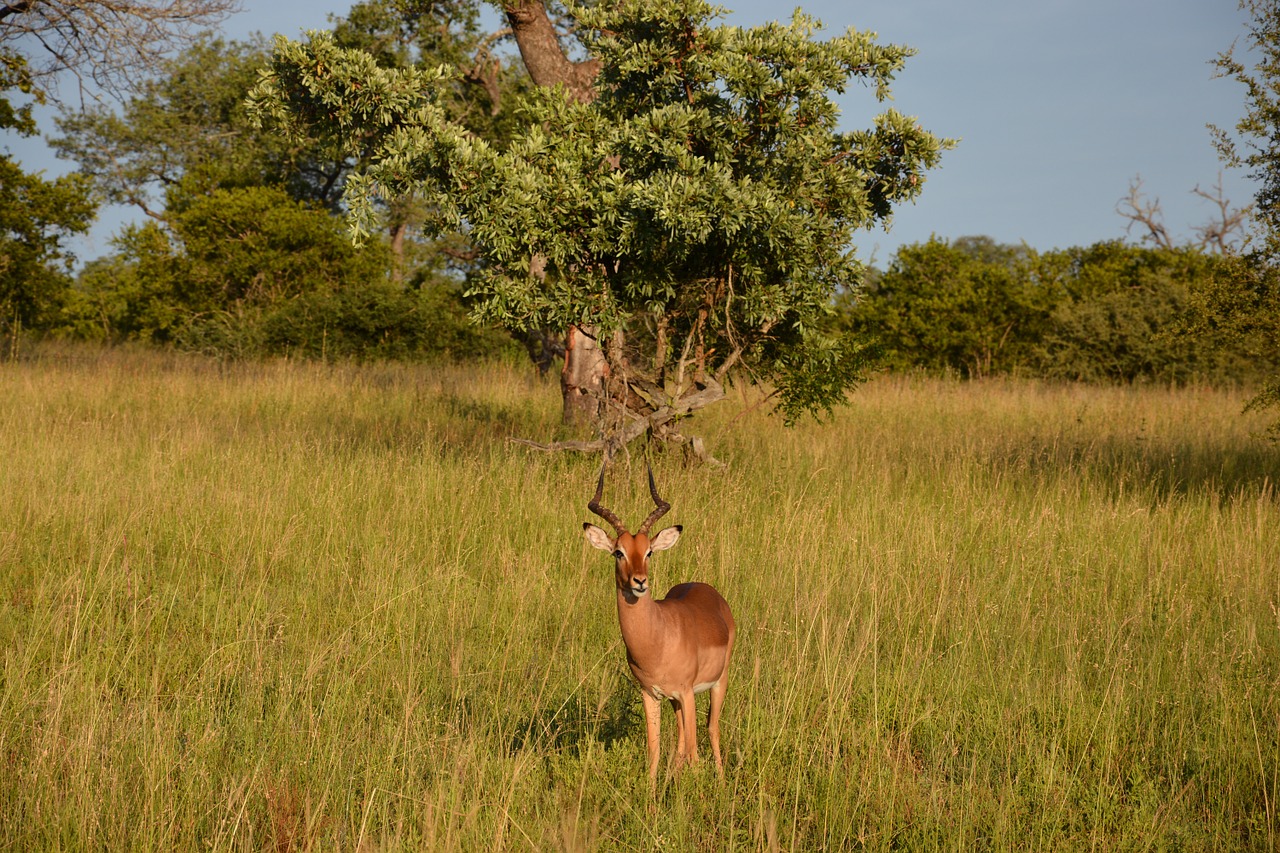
(293, 607)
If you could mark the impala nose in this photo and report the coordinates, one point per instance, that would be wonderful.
(639, 585)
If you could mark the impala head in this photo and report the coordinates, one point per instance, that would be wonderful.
(630, 550)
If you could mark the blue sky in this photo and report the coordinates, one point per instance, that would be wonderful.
(1057, 105)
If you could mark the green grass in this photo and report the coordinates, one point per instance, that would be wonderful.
(304, 607)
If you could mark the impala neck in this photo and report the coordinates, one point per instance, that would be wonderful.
(641, 619)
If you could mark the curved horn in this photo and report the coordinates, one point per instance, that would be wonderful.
(606, 514)
(661, 510)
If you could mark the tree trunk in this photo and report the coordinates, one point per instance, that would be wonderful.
(398, 231)
(585, 369)
(582, 382)
(542, 54)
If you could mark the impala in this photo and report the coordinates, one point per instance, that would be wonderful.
(677, 647)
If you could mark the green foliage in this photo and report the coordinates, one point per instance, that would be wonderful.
(134, 294)
(704, 190)
(431, 33)
(251, 272)
(970, 306)
(258, 246)
(1109, 312)
(36, 215)
(1121, 312)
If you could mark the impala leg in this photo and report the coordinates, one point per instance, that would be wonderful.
(718, 691)
(652, 724)
(679, 750)
(689, 718)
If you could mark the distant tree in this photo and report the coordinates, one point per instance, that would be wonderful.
(36, 216)
(183, 134)
(698, 211)
(219, 264)
(969, 306)
(1118, 312)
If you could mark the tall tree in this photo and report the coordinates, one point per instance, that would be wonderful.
(1256, 142)
(183, 134)
(698, 211)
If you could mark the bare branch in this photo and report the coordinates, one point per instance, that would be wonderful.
(1219, 234)
(1136, 208)
(106, 45)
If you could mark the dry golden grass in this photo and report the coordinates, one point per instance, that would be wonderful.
(293, 606)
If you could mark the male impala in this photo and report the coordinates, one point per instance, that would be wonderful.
(677, 647)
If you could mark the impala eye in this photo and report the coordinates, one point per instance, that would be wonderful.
(618, 554)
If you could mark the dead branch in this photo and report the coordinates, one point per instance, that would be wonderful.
(1219, 234)
(1136, 208)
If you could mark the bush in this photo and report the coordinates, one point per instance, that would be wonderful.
(971, 307)
(1106, 313)
(1120, 314)
(250, 272)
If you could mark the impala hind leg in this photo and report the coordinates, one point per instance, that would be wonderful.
(653, 725)
(718, 691)
(677, 754)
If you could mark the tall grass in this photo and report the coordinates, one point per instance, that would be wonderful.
(293, 607)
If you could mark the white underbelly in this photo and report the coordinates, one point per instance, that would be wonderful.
(658, 693)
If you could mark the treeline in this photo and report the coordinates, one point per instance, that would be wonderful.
(252, 272)
(1110, 312)
(245, 251)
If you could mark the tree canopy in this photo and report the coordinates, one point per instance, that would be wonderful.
(698, 211)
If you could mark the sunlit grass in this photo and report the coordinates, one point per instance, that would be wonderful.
(292, 606)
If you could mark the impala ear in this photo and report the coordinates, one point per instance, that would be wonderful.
(597, 537)
(667, 537)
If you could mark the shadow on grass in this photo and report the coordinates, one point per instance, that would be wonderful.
(1161, 469)
(568, 726)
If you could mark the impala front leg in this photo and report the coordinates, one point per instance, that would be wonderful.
(678, 753)
(652, 724)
